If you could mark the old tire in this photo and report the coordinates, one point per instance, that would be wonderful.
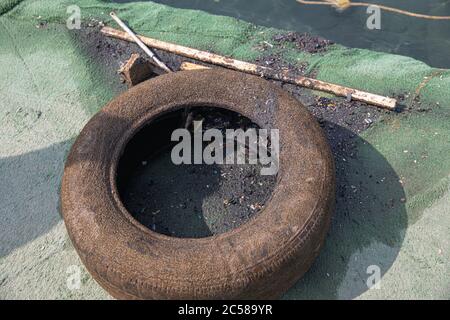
(260, 259)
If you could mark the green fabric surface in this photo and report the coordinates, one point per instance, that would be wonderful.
(399, 218)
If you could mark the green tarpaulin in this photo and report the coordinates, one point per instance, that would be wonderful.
(397, 217)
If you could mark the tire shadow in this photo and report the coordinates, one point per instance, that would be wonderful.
(368, 226)
(158, 193)
(169, 198)
(29, 194)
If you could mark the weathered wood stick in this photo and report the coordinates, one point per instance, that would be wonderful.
(139, 42)
(357, 95)
(189, 66)
(377, 100)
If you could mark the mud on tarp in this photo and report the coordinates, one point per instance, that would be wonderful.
(393, 178)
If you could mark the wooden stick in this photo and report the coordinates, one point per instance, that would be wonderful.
(189, 66)
(317, 85)
(139, 42)
(377, 100)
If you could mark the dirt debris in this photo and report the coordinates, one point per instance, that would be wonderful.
(276, 62)
(304, 41)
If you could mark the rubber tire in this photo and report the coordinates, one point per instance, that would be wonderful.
(259, 260)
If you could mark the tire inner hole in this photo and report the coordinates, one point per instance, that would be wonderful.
(189, 200)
